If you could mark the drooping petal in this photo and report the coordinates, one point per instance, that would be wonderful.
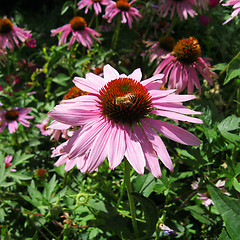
(117, 146)
(158, 145)
(176, 116)
(134, 152)
(173, 132)
(148, 151)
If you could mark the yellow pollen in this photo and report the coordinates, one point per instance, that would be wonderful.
(78, 24)
(123, 5)
(5, 26)
(162, 87)
(187, 50)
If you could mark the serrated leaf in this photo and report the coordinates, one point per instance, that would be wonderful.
(49, 188)
(228, 208)
(150, 213)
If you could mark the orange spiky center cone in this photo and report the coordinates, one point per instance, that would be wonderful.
(5, 25)
(123, 5)
(78, 23)
(187, 50)
(73, 93)
(124, 100)
(167, 43)
(11, 115)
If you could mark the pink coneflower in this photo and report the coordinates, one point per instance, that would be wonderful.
(26, 65)
(8, 163)
(31, 42)
(11, 117)
(179, 67)
(60, 129)
(43, 127)
(117, 119)
(236, 7)
(11, 35)
(160, 48)
(96, 5)
(182, 7)
(124, 7)
(207, 201)
(80, 33)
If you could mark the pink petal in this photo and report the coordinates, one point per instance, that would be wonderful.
(148, 151)
(117, 147)
(134, 152)
(176, 116)
(110, 73)
(136, 75)
(158, 145)
(173, 132)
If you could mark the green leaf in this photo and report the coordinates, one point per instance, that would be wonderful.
(231, 123)
(66, 7)
(61, 79)
(198, 213)
(49, 188)
(224, 235)
(228, 208)
(144, 184)
(236, 184)
(233, 69)
(150, 213)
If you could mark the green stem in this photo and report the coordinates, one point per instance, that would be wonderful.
(238, 102)
(75, 8)
(130, 197)
(116, 34)
(228, 64)
(96, 21)
(173, 23)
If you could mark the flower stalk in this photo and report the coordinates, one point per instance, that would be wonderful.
(116, 34)
(130, 197)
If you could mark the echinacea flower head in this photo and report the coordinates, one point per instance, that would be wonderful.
(80, 33)
(207, 201)
(180, 66)
(160, 48)
(236, 7)
(11, 35)
(96, 5)
(43, 127)
(12, 116)
(117, 119)
(124, 8)
(182, 8)
(8, 163)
